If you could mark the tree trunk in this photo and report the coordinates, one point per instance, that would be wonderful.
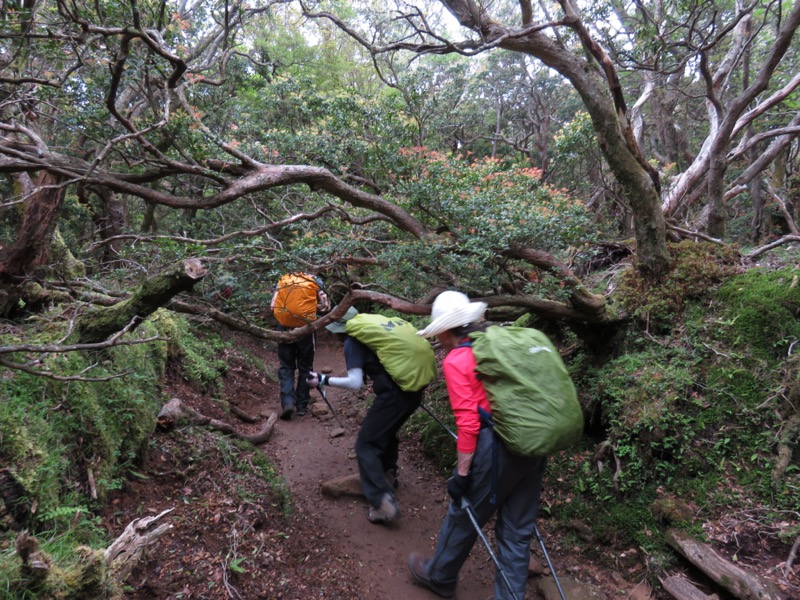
(32, 246)
(602, 98)
(110, 218)
(152, 294)
(717, 217)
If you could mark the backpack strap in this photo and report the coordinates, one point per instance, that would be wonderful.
(486, 420)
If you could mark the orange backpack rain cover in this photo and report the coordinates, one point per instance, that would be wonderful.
(296, 300)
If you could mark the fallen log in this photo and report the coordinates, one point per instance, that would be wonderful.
(737, 581)
(175, 412)
(681, 588)
(124, 552)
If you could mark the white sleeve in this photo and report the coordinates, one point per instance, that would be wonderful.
(353, 381)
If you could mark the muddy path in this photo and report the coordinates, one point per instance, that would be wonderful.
(308, 456)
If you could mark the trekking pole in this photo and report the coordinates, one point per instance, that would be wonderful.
(324, 395)
(467, 507)
(547, 558)
(475, 523)
(439, 421)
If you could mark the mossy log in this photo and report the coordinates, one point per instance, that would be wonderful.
(742, 584)
(175, 412)
(152, 294)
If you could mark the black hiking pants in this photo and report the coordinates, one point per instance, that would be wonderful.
(377, 445)
(295, 357)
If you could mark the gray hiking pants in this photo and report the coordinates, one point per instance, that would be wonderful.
(518, 487)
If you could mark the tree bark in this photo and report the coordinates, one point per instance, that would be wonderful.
(152, 294)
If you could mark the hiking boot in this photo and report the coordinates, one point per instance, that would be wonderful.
(418, 565)
(301, 411)
(387, 512)
(287, 412)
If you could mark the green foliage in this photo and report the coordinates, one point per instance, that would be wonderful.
(697, 268)
(482, 208)
(763, 311)
(200, 358)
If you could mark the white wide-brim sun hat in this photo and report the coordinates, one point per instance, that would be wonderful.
(451, 310)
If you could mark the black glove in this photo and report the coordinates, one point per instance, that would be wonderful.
(457, 486)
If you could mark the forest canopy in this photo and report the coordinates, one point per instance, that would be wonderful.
(269, 136)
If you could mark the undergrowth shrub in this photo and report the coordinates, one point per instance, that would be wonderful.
(199, 357)
(646, 415)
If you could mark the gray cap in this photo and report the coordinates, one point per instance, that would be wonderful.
(338, 326)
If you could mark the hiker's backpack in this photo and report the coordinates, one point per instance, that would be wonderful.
(535, 408)
(408, 358)
(296, 299)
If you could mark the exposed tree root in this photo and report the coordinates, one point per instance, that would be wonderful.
(175, 411)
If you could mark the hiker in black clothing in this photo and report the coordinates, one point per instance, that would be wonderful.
(377, 443)
(298, 299)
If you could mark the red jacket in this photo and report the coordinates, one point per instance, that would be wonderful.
(466, 395)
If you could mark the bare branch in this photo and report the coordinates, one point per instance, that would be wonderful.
(25, 369)
(787, 239)
(221, 239)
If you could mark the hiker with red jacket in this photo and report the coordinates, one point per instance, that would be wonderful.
(298, 300)
(389, 342)
(506, 484)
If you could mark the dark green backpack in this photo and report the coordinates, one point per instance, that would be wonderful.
(408, 358)
(535, 408)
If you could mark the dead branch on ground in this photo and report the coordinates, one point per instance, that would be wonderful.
(175, 412)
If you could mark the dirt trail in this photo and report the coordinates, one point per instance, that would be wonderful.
(308, 456)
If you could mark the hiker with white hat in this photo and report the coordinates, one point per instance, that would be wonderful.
(506, 484)
(377, 445)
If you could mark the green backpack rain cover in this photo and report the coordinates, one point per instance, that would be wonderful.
(407, 357)
(535, 408)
